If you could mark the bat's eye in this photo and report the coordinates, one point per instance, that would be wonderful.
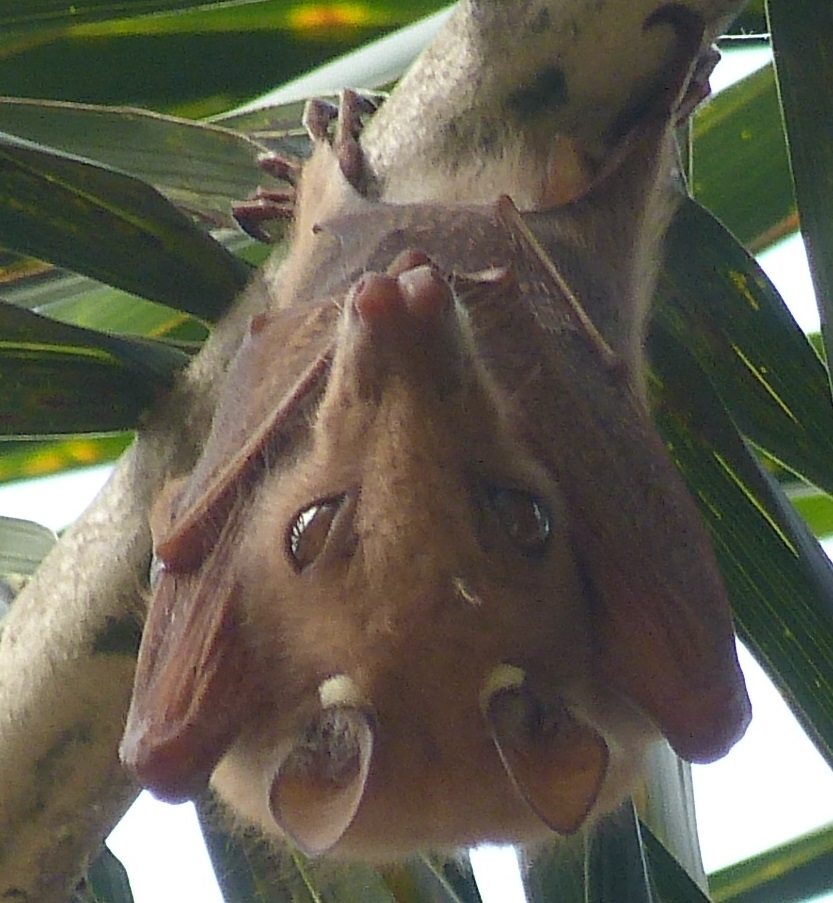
(524, 517)
(309, 530)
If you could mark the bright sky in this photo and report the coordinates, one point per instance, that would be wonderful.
(773, 786)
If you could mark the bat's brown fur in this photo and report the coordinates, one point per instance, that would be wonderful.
(422, 367)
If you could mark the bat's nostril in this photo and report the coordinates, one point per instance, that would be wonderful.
(426, 294)
(377, 298)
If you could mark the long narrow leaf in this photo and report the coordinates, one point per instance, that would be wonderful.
(30, 458)
(252, 869)
(74, 394)
(609, 868)
(101, 222)
(779, 579)
(720, 304)
(740, 167)
(424, 879)
(672, 883)
(801, 34)
(201, 168)
(107, 880)
(64, 379)
(371, 66)
(616, 868)
(815, 508)
(40, 13)
(153, 361)
(791, 873)
(23, 545)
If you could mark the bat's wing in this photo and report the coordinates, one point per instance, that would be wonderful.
(662, 620)
(187, 664)
(278, 372)
(191, 674)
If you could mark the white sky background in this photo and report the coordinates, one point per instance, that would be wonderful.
(772, 787)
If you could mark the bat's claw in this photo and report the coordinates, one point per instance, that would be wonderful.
(265, 206)
(698, 87)
(268, 204)
(281, 168)
(687, 80)
(320, 114)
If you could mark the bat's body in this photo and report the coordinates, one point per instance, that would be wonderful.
(434, 580)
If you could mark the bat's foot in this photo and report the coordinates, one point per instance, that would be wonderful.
(281, 168)
(687, 80)
(268, 205)
(347, 116)
(338, 125)
(265, 206)
(698, 87)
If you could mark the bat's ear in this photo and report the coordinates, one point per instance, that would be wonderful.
(320, 783)
(556, 763)
(187, 692)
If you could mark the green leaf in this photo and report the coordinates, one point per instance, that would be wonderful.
(815, 508)
(65, 379)
(673, 884)
(610, 869)
(375, 65)
(39, 13)
(740, 166)
(670, 880)
(779, 580)
(791, 873)
(23, 545)
(428, 879)
(801, 33)
(74, 394)
(29, 458)
(234, 50)
(616, 868)
(107, 879)
(105, 224)
(81, 301)
(722, 329)
(201, 168)
(249, 868)
(153, 361)
(720, 304)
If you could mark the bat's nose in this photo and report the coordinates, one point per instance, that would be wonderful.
(405, 328)
(418, 296)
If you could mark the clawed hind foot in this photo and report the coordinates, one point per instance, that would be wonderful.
(270, 205)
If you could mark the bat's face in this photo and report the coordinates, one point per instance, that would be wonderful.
(382, 621)
(413, 606)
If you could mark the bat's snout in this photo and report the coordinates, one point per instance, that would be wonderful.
(404, 325)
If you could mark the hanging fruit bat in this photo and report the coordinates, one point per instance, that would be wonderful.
(435, 580)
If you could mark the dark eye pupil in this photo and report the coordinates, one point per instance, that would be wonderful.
(309, 530)
(524, 517)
